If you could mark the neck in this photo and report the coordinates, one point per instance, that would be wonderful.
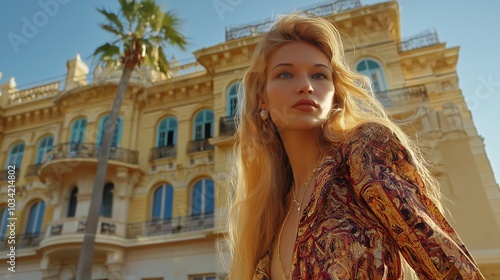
(301, 147)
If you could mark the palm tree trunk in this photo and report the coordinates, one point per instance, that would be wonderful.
(87, 250)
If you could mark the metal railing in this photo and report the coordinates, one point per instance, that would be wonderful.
(227, 126)
(170, 226)
(90, 150)
(33, 170)
(339, 6)
(428, 38)
(4, 174)
(169, 151)
(199, 145)
(402, 96)
(25, 240)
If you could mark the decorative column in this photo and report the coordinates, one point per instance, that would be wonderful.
(53, 190)
(115, 265)
(50, 268)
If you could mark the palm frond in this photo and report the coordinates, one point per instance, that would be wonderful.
(111, 29)
(144, 32)
(129, 10)
(107, 54)
(169, 31)
(113, 19)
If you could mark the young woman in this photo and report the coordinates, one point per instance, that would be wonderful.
(326, 186)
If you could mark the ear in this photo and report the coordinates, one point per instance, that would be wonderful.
(262, 101)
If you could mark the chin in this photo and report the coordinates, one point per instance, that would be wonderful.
(306, 125)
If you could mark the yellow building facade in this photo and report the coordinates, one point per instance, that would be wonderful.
(164, 202)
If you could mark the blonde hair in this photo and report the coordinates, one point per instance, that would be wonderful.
(262, 173)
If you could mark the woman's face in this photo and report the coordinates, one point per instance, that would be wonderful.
(299, 89)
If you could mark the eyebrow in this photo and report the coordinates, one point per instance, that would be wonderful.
(290, 64)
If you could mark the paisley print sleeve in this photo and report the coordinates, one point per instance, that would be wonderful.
(385, 179)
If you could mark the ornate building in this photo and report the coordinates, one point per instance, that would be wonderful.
(164, 202)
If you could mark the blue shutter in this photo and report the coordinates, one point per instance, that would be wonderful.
(209, 196)
(3, 223)
(43, 148)
(35, 218)
(16, 155)
(78, 131)
(197, 201)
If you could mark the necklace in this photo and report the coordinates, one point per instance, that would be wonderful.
(299, 205)
(306, 186)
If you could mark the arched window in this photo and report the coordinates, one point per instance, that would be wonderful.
(203, 198)
(163, 198)
(35, 218)
(72, 202)
(204, 125)
(374, 71)
(232, 99)
(107, 201)
(16, 156)
(117, 135)
(78, 131)
(44, 147)
(167, 132)
(3, 223)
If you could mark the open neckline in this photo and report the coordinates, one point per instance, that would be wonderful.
(312, 201)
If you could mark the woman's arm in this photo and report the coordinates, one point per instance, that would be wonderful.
(386, 180)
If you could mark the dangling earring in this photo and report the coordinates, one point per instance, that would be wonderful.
(264, 115)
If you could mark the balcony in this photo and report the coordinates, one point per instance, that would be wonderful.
(199, 145)
(25, 240)
(169, 151)
(4, 174)
(67, 157)
(170, 226)
(69, 230)
(402, 96)
(90, 150)
(227, 126)
(32, 170)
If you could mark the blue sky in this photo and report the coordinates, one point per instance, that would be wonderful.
(67, 27)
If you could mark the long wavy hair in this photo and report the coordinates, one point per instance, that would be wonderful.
(261, 174)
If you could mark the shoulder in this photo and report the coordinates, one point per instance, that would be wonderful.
(369, 133)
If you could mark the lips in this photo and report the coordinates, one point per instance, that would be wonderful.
(305, 103)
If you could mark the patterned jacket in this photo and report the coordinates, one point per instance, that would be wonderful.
(369, 207)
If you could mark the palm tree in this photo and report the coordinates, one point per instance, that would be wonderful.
(144, 30)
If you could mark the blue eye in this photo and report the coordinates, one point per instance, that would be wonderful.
(285, 75)
(320, 76)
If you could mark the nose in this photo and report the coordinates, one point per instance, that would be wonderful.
(305, 86)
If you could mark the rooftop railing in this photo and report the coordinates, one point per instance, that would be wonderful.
(338, 6)
(425, 39)
(31, 94)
